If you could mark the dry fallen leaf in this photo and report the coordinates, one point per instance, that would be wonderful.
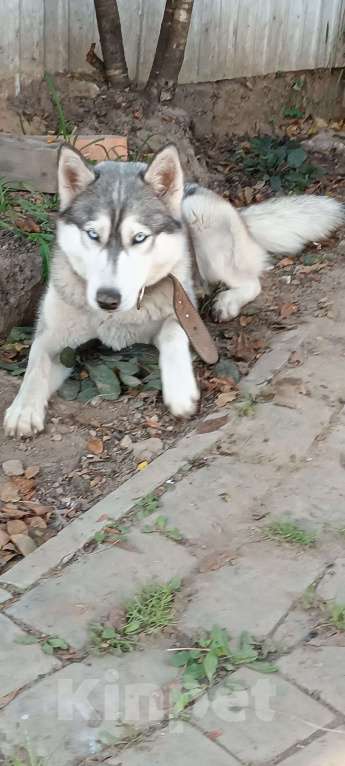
(141, 466)
(32, 471)
(152, 423)
(38, 523)
(288, 392)
(208, 426)
(285, 262)
(13, 512)
(16, 527)
(27, 224)
(295, 359)
(24, 486)
(287, 309)
(37, 508)
(4, 538)
(216, 561)
(95, 446)
(9, 492)
(248, 194)
(223, 399)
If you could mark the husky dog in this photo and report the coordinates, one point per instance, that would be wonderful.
(122, 228)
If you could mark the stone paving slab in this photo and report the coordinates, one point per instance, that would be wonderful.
(279, 435)
(258, 717)
(295, 628)
(61, 548)
(4, 596)
(185, 746)
(332, 586)
(63, 715)
(327, 751)
(253, 593)
(216, 503)
(319, 670)
(320, 503)
(85, 591)
(19, 663)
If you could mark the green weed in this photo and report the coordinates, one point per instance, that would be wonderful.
(290, 532)
(146, 506)
(161, 525)
(149, 612)
(280, 161)
(337, 616)
(111, 533)
(210, 656)
(246, 408)
(28, 216)
(64, 127)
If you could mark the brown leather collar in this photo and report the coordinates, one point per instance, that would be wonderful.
(191, 321)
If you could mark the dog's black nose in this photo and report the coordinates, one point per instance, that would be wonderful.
(108, 299)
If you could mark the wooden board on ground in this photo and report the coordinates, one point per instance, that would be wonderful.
(31, 160)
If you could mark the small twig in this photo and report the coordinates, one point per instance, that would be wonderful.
(187, 649)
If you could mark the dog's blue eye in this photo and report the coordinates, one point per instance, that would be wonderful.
(139, 238)
(92, 234)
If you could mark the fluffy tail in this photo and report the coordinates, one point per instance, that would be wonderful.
(286, 225)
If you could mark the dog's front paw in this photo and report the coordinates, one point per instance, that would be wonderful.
(24, 419)
(182, 400)
(227, 305)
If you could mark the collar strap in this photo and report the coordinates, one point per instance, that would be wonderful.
(193, 325)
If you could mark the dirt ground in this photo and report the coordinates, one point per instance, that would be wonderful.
(82, 455)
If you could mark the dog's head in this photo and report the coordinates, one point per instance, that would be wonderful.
(120, 224)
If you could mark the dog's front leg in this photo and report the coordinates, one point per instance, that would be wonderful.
(180, 391)
(59, 326)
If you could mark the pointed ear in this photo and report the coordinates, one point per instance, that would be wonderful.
(74, 175)
(165, 176)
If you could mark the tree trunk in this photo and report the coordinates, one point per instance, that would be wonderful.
(109, 27)
(171, 47)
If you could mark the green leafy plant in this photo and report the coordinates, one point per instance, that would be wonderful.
(280, 161)
(337, 616)
(294, 112)
(111, 533)
(146, 506)
(210, 656)
(161, 526)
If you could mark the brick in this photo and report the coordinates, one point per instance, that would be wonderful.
(32, 160)
(20, 663)
(258, 717)
(179, 744)
(320, 670)
(327, 751)
(87, 589)
(113, 692)
(253, 594)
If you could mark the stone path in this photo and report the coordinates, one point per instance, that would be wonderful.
(222, 491)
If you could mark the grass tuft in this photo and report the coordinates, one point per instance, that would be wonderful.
(150, 611)
(290, 532)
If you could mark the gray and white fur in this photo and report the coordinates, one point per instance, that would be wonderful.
(122, 228)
